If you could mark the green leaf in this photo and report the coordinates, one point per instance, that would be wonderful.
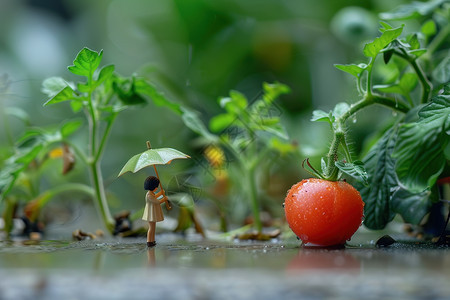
(18, 113)
(420, 146)
(340, 109)
(321, 116)
(387, 55)
(372, 49)
(76, 105)
(355, 170)
(384, 26)
(442, 71)
(412, 206)
(412, 10)
(125, 89)
(86, 62)
(239, 99)
(275, 129)
(158, 98)
(53, 85)
(192, 121)
(70, 127)
(381, 169)
(16, 164)
(413, 41)
(438, 108)
(105, 73)
(417, 52)
(65, 94)
(273, 90)
(428, 28)
(235, 104)
(353, 69)
(408, 82)
(220, 122)
(282, 147)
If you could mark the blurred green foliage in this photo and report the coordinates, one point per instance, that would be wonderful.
(195, 51)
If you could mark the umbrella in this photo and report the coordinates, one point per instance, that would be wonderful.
(152, 157)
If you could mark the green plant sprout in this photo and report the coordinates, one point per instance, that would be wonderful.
(101, 95)
(400, 171)
(249, 132)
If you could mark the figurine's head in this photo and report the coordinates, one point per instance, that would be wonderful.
(151, 183)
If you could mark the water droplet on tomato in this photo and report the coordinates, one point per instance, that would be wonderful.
(354, 120)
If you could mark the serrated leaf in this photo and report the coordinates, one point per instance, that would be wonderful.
(86, 62)
(372, 49)
(411, 206)
(353, 69)
(420, 146)
(381, 169)
(438, 108)
(355, 170)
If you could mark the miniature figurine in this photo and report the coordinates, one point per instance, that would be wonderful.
(153, 212)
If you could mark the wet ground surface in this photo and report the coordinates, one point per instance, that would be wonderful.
(178, 268)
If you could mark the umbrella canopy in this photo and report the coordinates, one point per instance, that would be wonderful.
(151, 157)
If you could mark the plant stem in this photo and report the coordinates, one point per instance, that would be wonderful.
(427, 87)
(254, 199)
(105, 137)
(332, 170)
(339, 135)
(100, 195)
(94, 161)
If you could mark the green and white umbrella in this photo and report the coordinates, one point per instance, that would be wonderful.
(152, 157)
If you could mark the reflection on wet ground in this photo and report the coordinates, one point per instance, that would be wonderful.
(204, 269)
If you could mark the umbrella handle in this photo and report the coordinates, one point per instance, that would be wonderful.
(168, 205)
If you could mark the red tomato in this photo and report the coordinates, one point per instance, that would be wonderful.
(323, 212)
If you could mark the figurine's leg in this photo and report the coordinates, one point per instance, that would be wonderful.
(151, 234)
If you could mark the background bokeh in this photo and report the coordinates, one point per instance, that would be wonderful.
(195, 51)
